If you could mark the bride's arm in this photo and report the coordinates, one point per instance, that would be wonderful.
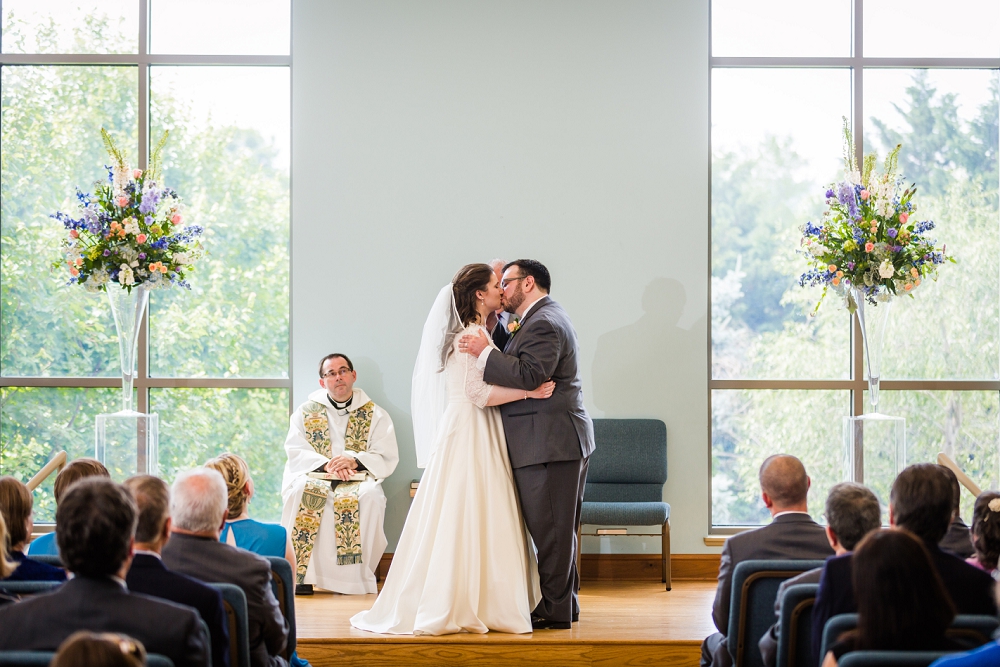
(500, 395)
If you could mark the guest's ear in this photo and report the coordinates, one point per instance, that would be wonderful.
(831, 537)
(892, 517)
(768, 503)
(165, 534)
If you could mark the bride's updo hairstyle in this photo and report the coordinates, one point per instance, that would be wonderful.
(469, 279)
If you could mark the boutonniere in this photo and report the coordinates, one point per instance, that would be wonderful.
(514, 325)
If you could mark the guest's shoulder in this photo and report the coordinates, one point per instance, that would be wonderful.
(949, 562)
(159, 608)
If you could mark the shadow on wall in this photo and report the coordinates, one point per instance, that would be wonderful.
(397, 486)
(645, 369)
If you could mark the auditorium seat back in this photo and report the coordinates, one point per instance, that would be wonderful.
(972, 630)
(235, 602)
(284, 590)
(889, 658)
(31, 658)
(795, 626)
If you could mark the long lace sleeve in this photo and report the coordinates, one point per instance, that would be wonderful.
(475, 389)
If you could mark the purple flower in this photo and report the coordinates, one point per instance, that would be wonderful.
(897, 248)
(142, 255)
(892, 233)
(847, 197)
(107, 253)
(829, 194)
(850, 266)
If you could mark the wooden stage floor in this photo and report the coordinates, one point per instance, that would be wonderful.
(621, 623)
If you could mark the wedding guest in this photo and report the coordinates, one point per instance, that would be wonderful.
(958, 539)
(96, 534)
(198, 507)
(902, 604)
(986, 531)
(99, 649)
(6, 566)
(149, 576)
(852, 511)
(792, 534)
(74, 471)
(266, 539)
(15, 505)
(921, 502)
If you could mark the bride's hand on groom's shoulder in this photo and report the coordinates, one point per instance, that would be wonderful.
(473, 345)
(544, 391)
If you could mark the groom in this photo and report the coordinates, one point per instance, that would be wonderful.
(549, 441)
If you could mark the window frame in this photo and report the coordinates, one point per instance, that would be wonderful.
(858, 383)
(144, 60)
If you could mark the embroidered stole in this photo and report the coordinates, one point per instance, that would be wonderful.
(345, 494)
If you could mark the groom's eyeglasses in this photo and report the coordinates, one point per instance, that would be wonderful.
(504, 283)
(341, 373)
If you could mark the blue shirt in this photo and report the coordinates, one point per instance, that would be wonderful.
(32, 570)
(44, 545)
(984, 656)
(265, 539)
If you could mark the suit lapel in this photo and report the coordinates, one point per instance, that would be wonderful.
(541, 303)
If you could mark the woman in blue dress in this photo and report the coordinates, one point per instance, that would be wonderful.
(265, 539)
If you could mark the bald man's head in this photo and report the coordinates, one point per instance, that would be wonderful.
(784, 481)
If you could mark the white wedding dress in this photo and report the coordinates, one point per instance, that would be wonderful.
(463, 562)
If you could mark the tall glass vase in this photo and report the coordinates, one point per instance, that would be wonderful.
(874, 443)
(127, 308)
(126, 442)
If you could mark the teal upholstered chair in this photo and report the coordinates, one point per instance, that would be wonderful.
(235, 602)
(625, 480)
(972, 630)
(795, 626)
(28, 587)
(889, 658)
(751, 606)
(43, 658)
(283, 587)
(48, 559)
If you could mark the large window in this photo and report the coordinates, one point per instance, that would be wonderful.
(783, 73)
(214, 360)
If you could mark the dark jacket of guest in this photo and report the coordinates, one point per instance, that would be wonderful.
(958, 539)
(211, 561)
(42, 622)
(149, 576)
(970, 589)
(29, 569)
(789, 536)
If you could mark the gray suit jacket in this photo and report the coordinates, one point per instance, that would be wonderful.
(42, 622)
(213, 562)
(557, 428)
(791, 536)
(769, 642)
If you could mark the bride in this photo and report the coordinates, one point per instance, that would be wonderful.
(463, 562)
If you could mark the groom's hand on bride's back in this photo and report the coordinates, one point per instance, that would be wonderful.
(473, 345)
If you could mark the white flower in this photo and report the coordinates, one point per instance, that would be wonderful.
(994, 505)
(120, 178)
(131, 226)
(126, 277)
(181, 258)
(885, 269)
(95, 281)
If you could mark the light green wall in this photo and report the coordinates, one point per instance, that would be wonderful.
(429, 134)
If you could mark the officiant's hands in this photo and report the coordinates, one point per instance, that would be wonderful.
(473, 345)
(342, 466)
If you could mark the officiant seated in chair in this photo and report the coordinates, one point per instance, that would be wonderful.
(340, 447)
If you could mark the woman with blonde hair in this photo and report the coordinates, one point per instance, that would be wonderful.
(266, 539)
(15, 506)
(7, 566)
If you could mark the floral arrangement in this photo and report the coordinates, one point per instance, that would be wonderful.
(869, 237)
(131, 231)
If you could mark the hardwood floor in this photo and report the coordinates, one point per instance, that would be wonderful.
(621, 623)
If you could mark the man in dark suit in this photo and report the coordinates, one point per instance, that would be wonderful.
(549, 441)
(95, 532)
(920, 501)
(958, 539)
(198, 509)
(792, 534)
(852, 511)
(149, 576)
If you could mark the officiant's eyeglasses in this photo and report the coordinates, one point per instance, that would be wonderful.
(341, 373)
(504, 283)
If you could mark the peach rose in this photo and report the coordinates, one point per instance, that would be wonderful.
(176, 218)
(864, 194)
(903, 218)
(136, 173)
(73, 234)
(869, 246)
(141, 238)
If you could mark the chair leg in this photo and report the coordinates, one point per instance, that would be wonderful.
(579, 552)
(665, 551)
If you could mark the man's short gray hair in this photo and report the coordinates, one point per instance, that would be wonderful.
(198, 500)
(852, 511)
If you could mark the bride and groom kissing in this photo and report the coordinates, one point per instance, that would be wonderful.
(505, 440)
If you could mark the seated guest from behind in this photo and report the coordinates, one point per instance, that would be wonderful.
(792, 534)
(15, 505)
(45, 545)
(902, 604)
(852, 511)
(986, 531)
(96, 533)
(958, 539)
(266, 539)
(105, 649)
(7, 566)
(921, 502)
(149, 576)
(198, 507)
